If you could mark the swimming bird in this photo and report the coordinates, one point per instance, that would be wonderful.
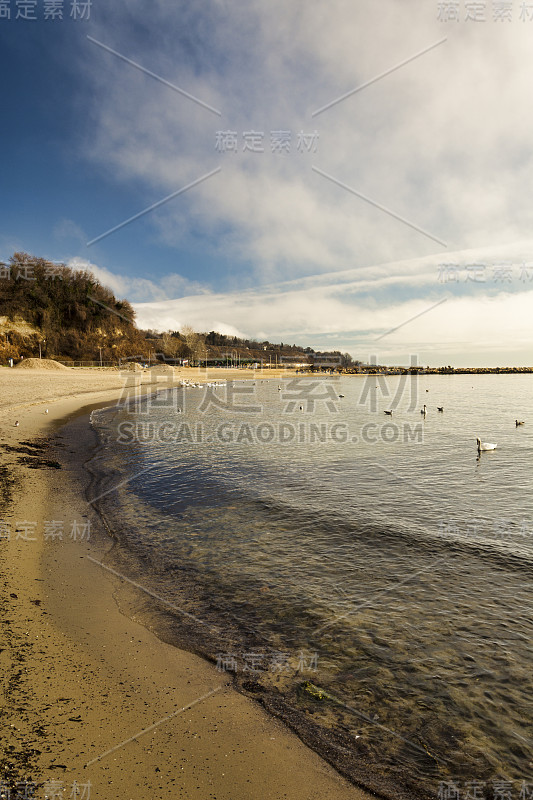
(482, 446)
(423, 410)
(16, 424)
(517, 423)
(46, 411)
(341, 395)
(389, 413)
(440, 408)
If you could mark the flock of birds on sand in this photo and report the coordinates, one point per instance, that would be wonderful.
(184, 385)
(481, 446)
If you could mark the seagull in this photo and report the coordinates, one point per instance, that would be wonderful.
(46, 411)
(389, 413)
(485, 445)
(517, 423)
(16, 424)
(440, 408)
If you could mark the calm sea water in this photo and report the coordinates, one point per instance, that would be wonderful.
(374, 570)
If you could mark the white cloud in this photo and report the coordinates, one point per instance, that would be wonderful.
(475, 318)
(139, 289)
(442, 141)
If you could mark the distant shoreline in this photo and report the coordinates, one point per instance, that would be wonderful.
(378, 370)
(264, 371)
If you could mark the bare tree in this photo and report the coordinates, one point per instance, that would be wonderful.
(172, 346)
(194, 341)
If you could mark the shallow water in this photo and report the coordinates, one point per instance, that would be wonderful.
(317, 539)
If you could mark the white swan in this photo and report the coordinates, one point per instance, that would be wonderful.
(485, 446)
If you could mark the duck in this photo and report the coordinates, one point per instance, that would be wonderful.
(518, 422)
(482, 446)
(341, 395)
(423, 410)
(440, 408)
(389, 413)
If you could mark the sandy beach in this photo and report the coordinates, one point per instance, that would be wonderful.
(94, 705)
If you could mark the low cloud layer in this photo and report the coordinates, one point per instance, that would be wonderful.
(473, 308)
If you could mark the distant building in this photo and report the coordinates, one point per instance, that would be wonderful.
(298, 360)
(326, 360)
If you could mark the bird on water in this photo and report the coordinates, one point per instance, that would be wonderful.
(483, 446)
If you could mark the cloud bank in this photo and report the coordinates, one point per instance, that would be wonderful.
(442, 142)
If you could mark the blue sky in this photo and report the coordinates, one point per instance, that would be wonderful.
(328, 229)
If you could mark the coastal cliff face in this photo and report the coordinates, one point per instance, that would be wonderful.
(51, 310)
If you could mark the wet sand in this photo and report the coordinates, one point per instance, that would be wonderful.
(92, 699)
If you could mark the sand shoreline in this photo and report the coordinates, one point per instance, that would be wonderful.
(90, 696)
